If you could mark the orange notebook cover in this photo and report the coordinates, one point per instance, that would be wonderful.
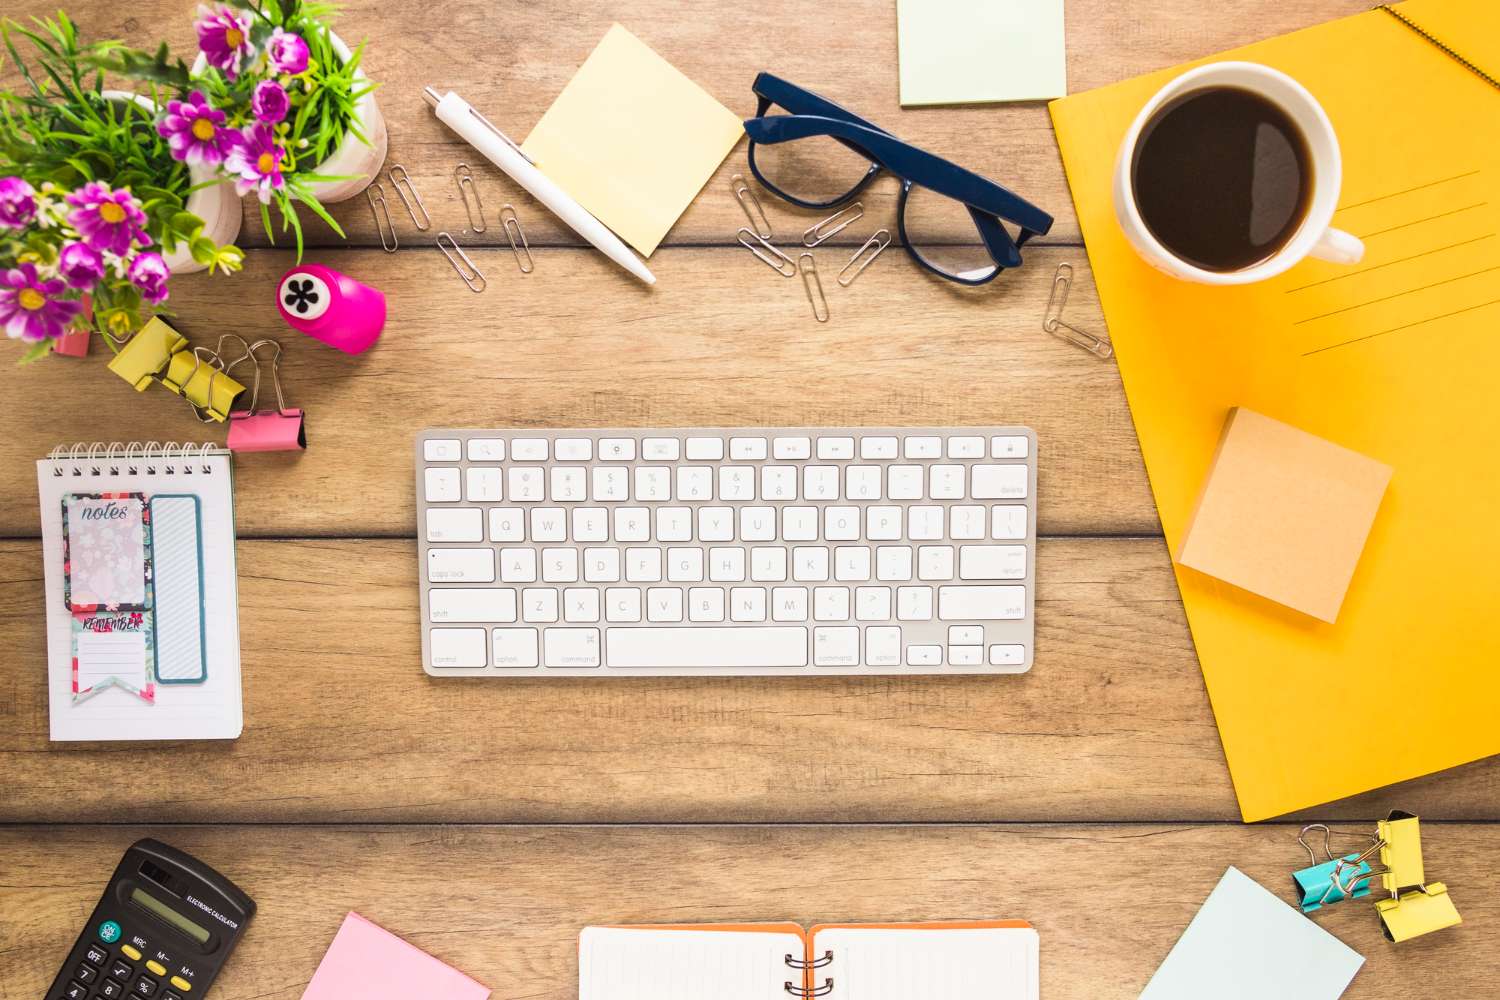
(1397, 358)
(961, 960)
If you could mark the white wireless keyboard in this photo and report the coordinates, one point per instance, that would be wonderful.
(629, 552)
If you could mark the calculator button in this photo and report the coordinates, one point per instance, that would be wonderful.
(121, 971)
(109, 932)
(131, 952)
(156, 968)
(145, 987)
(111, 990)
(95, 955)
(76, 991)
(181, 984)
(86, 973)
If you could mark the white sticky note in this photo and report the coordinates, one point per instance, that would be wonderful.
(979, 51)
(1246, 944)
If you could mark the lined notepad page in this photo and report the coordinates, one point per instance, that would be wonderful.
(616, 963)
(961, 964)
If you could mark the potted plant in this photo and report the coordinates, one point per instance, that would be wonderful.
(292, 115)
(95, 212)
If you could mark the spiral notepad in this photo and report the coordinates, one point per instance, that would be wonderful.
(149, 648)
(980, 960)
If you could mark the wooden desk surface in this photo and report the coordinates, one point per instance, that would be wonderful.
(488, 822)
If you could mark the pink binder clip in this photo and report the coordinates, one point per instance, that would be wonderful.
(331, 307)
(281, 429)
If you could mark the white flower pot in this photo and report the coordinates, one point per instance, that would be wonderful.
(217, 204)
(354, 158)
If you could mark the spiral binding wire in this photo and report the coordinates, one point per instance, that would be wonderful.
(133, 459)
(803, 965)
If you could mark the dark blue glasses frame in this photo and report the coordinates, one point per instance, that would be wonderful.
(988, 203)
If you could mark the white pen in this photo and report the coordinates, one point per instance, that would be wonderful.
(475, 129)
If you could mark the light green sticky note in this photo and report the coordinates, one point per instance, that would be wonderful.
(978, 51)
(632, 139)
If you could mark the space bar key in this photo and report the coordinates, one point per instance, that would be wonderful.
(706, 647)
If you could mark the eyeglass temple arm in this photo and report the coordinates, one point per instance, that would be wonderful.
(908, 162)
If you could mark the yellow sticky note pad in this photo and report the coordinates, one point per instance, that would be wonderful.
(632, 139)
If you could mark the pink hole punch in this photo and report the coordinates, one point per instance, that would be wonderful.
(331, 307)
(281, 429)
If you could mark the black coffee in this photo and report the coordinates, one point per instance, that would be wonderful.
(1222, 177)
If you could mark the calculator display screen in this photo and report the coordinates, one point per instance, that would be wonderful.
(171, 916)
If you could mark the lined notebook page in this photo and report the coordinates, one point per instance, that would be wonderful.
(622, 963)
(960, 964)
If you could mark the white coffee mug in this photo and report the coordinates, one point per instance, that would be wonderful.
(1313, 238)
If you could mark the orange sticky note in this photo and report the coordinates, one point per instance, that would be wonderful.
(1284, 514)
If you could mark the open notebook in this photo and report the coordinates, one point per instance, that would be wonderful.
(979, 960)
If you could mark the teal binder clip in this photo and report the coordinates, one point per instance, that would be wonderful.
(1336, 879)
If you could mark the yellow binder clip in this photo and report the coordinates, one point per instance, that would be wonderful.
(1415, 906)
(159, 353)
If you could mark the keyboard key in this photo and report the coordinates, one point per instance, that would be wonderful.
(836, 647)
(442, 484)
(788, 448)
(883, 645)
(456, 605)
(922, 447)
(705, 449)
(617, 450)
(878, 447)
(834, 448)
(461, 565)
(966, 447)
(486, 449)
(992, 562)
(572, 647)
(661, 449)
(924, 656)
(529, 450)
(457, 647)
(981, 603)
(747, 449)
(1000, 482)
(441, 450)
(455, 524)
(1009, 447)
(1007, 655)
(514, 647)
(707, 646)
(574, 449)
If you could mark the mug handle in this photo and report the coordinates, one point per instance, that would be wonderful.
(1338, 247)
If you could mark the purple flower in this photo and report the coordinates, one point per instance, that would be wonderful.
(17, 202)
(256, 159)
(195, 130)
(149, 273)
(80, 265)
(287, 52)
(224, 37)
(33, 309)
(269, 102)
(108, 220)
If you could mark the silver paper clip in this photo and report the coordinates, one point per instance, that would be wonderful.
(513, 232)
(474, 278)
(779, 261)
(820, 231)
(415, 202)
(378, 208)
(880, 240)
(809, 269)
(751, 206)
(475, 212)
(1053, 323)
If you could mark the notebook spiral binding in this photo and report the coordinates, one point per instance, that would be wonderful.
(115, 459)
(805, 992)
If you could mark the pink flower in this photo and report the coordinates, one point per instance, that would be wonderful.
(33, 309)
(269, 102)
(256, 159)
(107, 220)
(149, 273)
(17, 203)
(195, 130)
(80, 265)
(287, 52)
(224, 37)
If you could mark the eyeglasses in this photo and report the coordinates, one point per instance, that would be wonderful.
(952, 221)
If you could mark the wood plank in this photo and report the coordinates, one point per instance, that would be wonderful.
(512, 61)
(505, 905)
(342, 725)
(721, 341)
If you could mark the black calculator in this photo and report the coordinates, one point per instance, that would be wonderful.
(162, 930)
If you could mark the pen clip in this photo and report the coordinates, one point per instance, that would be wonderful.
(491, 126)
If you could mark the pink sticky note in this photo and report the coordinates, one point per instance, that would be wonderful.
(371, 963)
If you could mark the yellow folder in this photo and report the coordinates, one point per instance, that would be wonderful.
(1397, 358)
